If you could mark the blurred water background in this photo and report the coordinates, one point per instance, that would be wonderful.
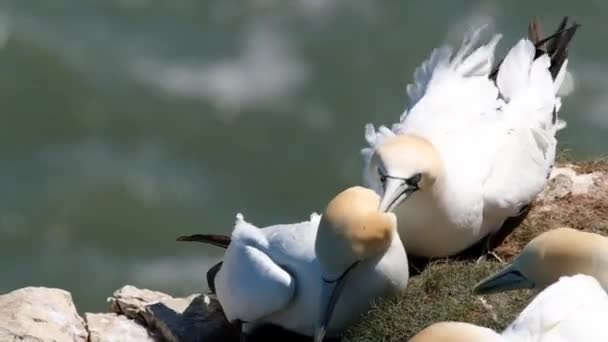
(126, 123)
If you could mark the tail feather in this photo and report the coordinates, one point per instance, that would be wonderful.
(222, 241)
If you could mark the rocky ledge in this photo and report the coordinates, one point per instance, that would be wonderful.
(576, 195)
(46, 314)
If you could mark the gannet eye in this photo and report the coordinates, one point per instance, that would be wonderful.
(382, 176)
(414, 180)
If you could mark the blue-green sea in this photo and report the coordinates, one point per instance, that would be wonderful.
(126, 123)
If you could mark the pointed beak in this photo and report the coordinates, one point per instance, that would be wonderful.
(396, 190)
(505, 280)
(330, 293)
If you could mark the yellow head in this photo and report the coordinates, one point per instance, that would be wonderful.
(549, 256)
(456, 332)
(404, 164)
(351, 230)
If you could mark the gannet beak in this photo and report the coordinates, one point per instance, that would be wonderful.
(330, 293)
(505, 280)
(396, 190)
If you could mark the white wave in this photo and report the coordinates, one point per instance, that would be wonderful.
(265, 73)
(147, 171)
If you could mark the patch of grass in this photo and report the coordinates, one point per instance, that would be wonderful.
(443, 291)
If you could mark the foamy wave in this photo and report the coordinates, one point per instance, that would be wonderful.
(264, 74)
(148, 171)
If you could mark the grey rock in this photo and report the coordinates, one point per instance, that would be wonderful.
(110, 327)
(198, 317)
(40, 314)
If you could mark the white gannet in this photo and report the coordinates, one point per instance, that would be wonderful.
(476, 145)
(555, 253)
(314, 276)
(572, 309)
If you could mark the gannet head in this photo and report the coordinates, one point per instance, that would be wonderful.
(456, 332)
(405, 164)
(558, 252)
(351, 230)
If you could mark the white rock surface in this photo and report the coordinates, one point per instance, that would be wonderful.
(131, 302)
(40, 314)
(565, 181)
(110, 327)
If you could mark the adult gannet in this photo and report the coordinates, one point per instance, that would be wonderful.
(572, 309)
(477, 143)
(314, 276)
(555, 253)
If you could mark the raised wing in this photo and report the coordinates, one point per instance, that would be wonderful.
(522, 149)
(449, 92)
(250, 285)
(572, 309)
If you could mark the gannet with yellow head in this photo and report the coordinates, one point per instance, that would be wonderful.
(572, 309)
(547, 257)
(354, 237)
(313, 277)
(477, 143)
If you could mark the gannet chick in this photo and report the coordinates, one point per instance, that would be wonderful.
(572, 309)
(552, 254)
(475, 146)
(311, 277)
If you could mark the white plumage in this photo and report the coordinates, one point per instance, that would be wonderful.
(495, 141)
(572, 309)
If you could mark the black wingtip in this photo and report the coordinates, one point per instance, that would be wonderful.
(211, 273)
(555, 45)
(214, 239)
(188, 238)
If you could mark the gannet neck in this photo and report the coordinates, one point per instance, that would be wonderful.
(405, 155)
(352, 229)
(456, 332)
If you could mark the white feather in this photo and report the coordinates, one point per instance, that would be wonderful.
(572, 309)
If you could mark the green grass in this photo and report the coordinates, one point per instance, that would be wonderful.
(442, 292)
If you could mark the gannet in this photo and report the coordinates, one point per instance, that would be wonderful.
(572, 309)
(475, 146)
(555, 253)
(314, 276)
